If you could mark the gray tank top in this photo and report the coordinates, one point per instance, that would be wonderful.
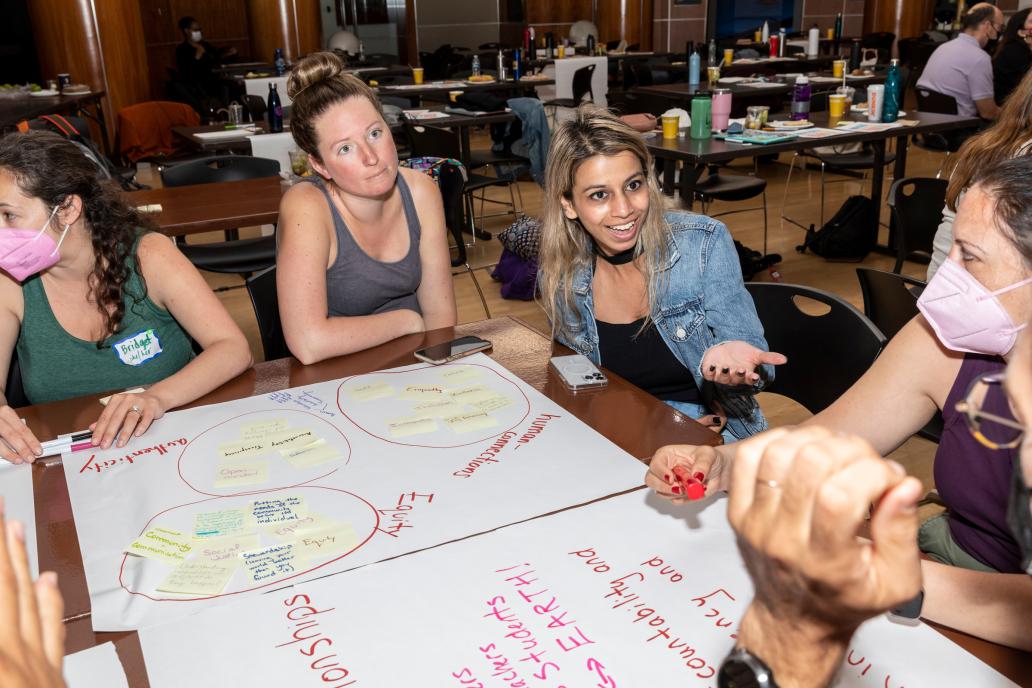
(357, 284)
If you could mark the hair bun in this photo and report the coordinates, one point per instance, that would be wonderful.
(312, 69)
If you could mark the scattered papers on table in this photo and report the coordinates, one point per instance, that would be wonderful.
(97, 667)
(425, 114)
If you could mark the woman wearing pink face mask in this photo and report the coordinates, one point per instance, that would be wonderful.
(91, 302)
(972, 312)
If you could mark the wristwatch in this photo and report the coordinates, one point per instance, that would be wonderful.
(911, 609)
(743, 669)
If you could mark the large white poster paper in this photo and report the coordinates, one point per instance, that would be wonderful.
(264, 492)
(616, 593)
(97, 667)
(19, 505)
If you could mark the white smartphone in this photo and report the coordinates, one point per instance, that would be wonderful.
(449, 351)
(578, 372)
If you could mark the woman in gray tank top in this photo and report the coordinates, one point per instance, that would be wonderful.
(363, 253)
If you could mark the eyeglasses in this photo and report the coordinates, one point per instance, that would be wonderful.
(991, 430)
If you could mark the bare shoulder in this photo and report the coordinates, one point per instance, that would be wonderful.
(423, 188)
(917, 352)
(11, 300)
(155, 246)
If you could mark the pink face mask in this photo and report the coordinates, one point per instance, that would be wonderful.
(24, 252)
(965, 315)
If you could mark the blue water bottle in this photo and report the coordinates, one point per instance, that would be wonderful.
(693, 66)
(275, 111)
(517, 66)
(281, 64)
(890, 109)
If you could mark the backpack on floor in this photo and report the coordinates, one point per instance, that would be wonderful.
(847, 235)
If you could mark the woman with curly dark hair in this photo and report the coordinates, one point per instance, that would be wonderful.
(91, 300)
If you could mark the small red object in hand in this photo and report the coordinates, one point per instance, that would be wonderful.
(691, 486)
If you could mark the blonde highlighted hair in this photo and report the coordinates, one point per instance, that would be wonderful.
(566, 248)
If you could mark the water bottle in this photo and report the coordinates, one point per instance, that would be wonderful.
(517, 67)
(693, 65)
(501, 66)
(801, 98)
(854, 55)
(361, 52)
(591, 44)
(476, 65)
(275, 111)
(765, 33)
(890, 110)
(549, 45)
(782, 39)
(712, 57)
(838, 26)
(281, 64)
(813, 41)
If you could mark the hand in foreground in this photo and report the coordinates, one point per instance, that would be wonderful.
(701, 463)
(19, 445)
(31, 632)
(737, 363)
(797, 498)
(126, 416)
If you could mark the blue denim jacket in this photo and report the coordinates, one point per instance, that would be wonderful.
(702, 303)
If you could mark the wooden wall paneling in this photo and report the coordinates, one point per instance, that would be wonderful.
(123, 55)
(630, 20)
(289, 24)
(905, 18)
(559, 11)
(309, 26)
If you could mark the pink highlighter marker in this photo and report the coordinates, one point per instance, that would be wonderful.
(80, 446)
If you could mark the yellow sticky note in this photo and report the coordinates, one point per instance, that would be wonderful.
(163, 544)
(288, 531)
(269, 563)
(492, 404)
(226, 548)
(439, 408)
(454, 375)
(423, 392)
(242, 474)
(259, 429)
(404, 427)
(209, 524)
(289, 439)
(270, 510)
(199, 577)
(314, 454)
(471, 395)
(244, 449)
(468, 422)
(324, 542)
(373, 390)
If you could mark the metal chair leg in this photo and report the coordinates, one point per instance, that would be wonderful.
(480, 292)
(784, 196)
(764, 221)
(822, 194)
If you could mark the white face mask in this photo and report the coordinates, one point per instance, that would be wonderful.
(195, 36)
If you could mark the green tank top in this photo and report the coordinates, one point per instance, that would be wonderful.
(149, 346)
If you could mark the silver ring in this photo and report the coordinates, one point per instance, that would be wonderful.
(769, 483)
(135, 409)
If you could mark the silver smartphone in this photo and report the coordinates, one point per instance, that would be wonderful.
(449, 351)
(578, 372)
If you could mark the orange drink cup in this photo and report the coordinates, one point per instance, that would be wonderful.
(671, 124)
(729, 55)
(837, 105)
(417, 75)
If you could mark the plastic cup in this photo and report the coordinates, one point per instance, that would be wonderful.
(757, 36)
(561, 50)
(671, 124)
(713, 74)
(838, 68)
(729, 55)
(754, 117)
(417, 75)
(848, 92)
(875, 102)
(831, 34)
(836, 105)
(721, 109)
(298, 162)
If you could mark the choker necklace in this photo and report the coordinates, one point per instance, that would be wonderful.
(621, 258)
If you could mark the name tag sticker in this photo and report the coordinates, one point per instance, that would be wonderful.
(138, 348)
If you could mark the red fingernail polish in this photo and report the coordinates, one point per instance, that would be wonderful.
(666, 477)
(675, 489)
(700, 476)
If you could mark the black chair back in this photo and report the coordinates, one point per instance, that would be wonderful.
(256, 107)
(890, 299)
(826, 353)
(881, 41)
(262, 289)
(634, 102)
(15, 391)
(219, 168)
(916, 204)
(432, 142)
(582, 83)
(933, 101)
(451, 182)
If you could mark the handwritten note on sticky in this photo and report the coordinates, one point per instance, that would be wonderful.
(289, 439)
(244, 449)
(471, 395)
(208, 524)
(439, 408)
(492, 404)
(277, 509)
(199, 577)
(404, 427)
(324, 542)
(269, 563)
(470, 422)
(242, 474)
(314, 454)
(163, 544)
(454, 375)
(289, 531)
(368, 392)
(259, 429)
(423, 392)
(226, 548)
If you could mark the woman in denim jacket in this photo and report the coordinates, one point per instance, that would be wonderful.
(655, 297)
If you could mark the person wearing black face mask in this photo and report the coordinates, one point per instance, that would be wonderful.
(196, 59)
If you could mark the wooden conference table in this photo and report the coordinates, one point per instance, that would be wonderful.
(635, 421)
(696, 154)
(14, 110)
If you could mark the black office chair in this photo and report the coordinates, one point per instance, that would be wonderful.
(261, 287)
(581, 87)
(916, 204)
(426, 141)
(233, 256)
(721, 186)
(890, 301)
(881, 41)
(14, 391)
(947, 142)
(255, 106)
(826, 353)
